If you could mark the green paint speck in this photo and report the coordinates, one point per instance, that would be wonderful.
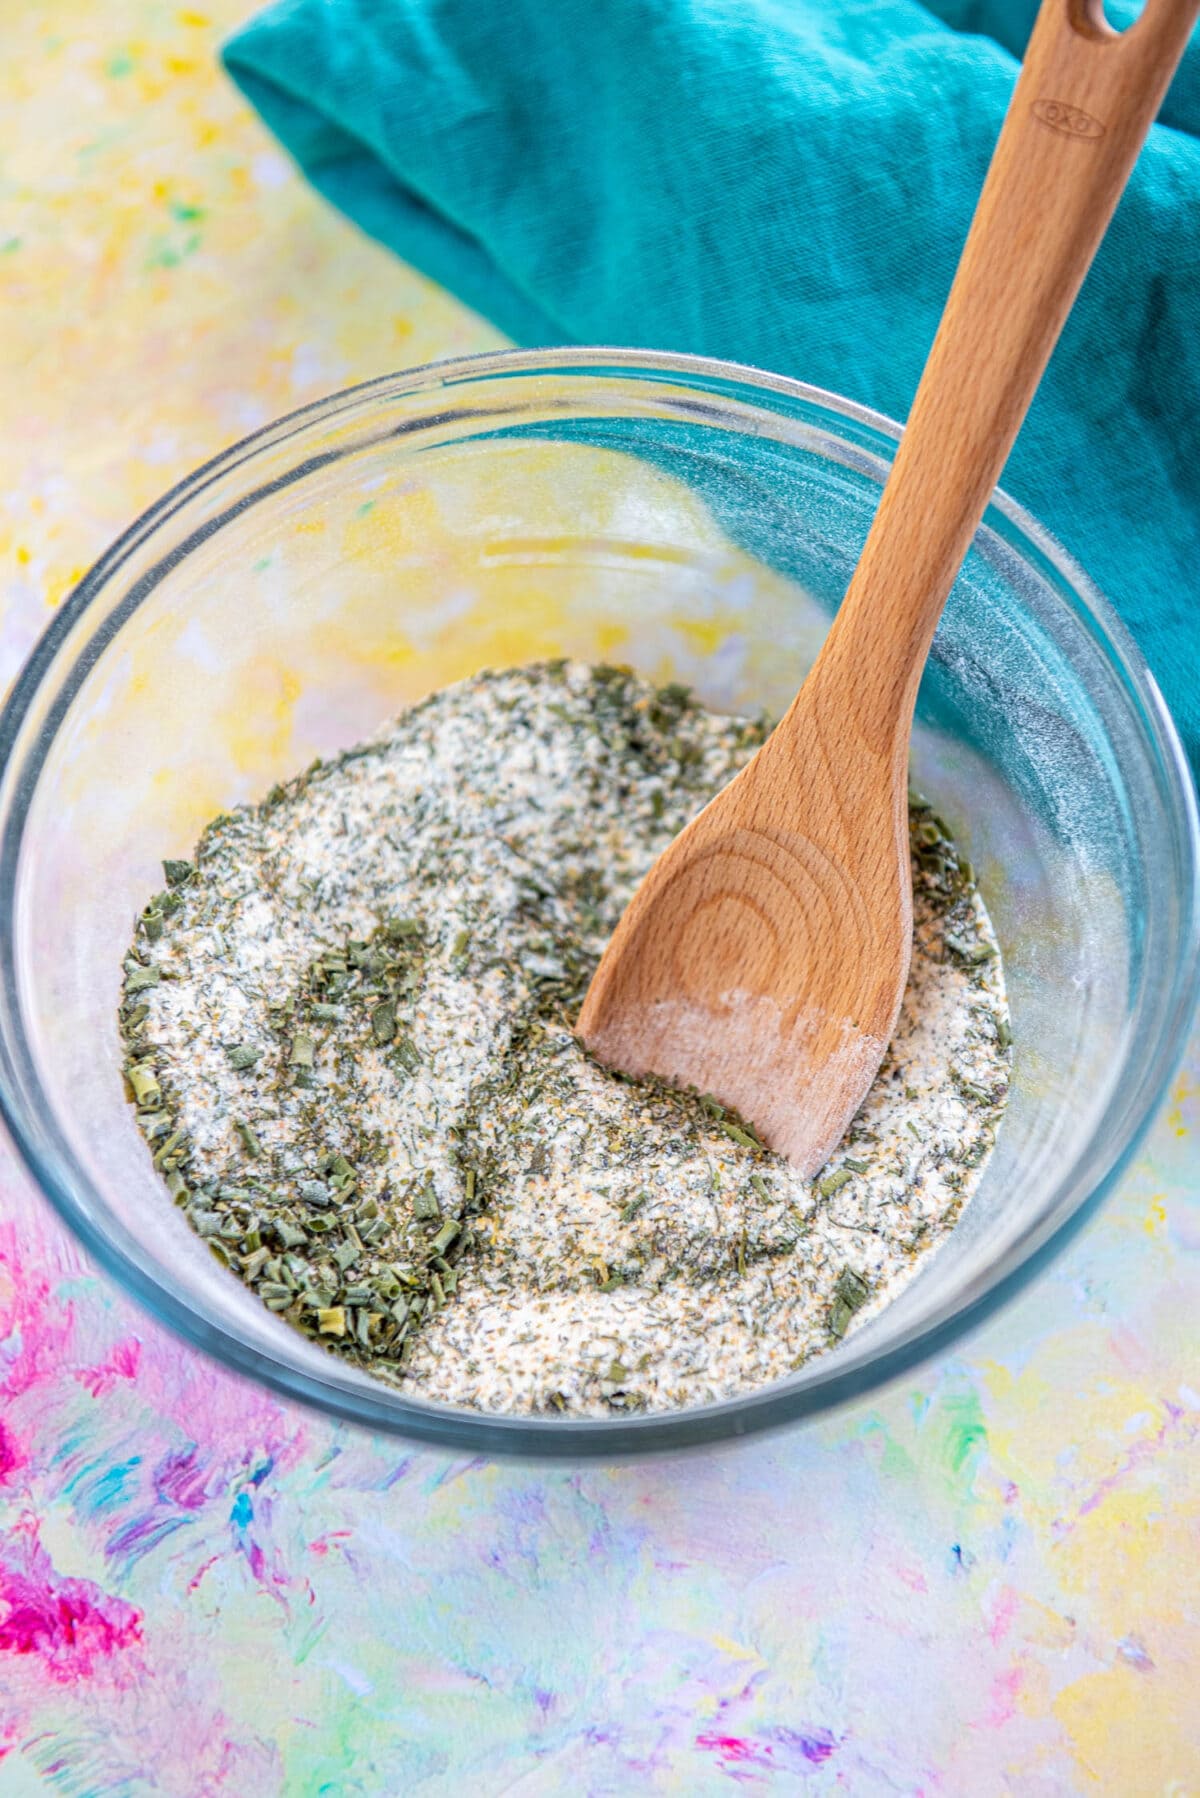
(9, 244)
(263, 562)
(118, 65)
(165, 254)
(965, 1429)
(183, 212)
(310, 1641)
(368, 505)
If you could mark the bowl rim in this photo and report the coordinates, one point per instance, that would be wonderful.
(532, 1437)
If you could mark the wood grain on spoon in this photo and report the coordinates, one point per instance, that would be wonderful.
(765, 955)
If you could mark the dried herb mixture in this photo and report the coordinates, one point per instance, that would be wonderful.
(348, 1029)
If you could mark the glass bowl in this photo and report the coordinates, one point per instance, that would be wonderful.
(700, 522)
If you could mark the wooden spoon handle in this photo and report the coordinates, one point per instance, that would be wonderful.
(1084, 102)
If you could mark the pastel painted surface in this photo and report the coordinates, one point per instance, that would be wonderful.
(986, 1583)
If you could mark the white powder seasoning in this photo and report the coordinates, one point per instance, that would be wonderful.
(349, 1035)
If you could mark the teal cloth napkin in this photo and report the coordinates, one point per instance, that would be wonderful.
(781, 182)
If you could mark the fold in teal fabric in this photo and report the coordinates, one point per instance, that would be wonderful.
(781, 182)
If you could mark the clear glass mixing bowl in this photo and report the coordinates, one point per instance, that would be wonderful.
(694, 519)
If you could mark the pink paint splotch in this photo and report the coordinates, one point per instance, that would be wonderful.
(777, 1750)
(1177, 1425)
(1003, 1698)
(121, 1363)
(66, 1625)
(33, 1330)
(12, 1455)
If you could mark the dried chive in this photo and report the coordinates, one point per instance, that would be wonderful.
(852, 1289)
(850, 1294)
(969, 952)
(383, 1021)
(253, 1264)
(250, 1141)
(144, 1081)
(445, 1236)
(970, 1091)
(425, 1205)
(168, 1145)
(402, 930)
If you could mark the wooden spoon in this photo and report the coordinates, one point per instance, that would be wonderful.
(765, 955)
